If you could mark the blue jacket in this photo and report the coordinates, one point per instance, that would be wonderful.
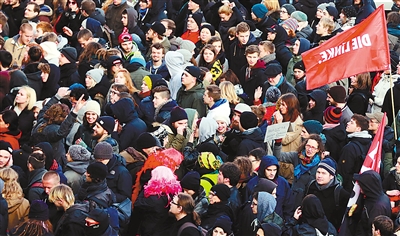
(132, 125)
(284, 200)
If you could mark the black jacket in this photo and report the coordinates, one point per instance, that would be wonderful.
(236, 53)
(358, 101)
(317, 112)
(376, 202)
(73, 221)
(189, 231)
(250, 141)
(119, 179)
(69, 75)
(350, 161)
(256, 79)
(3, 216)
(335, 140)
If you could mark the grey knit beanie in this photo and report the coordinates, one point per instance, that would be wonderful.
(79, 153)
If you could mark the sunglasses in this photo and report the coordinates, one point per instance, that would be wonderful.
(73, 3)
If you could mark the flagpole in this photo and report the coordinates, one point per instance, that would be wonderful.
(392, 100)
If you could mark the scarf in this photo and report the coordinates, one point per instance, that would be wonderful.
(306, 164)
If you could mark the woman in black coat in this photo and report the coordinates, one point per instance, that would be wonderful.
(360, 95)
(182, 207)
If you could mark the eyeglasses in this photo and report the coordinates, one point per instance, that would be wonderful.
(212, 193)
(283, 11)
(311, 147)
(253, 204)
(373, 121)
(176, 204)
(73, 3)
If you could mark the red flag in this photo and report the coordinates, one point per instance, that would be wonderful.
(372, 162)
(362, 48)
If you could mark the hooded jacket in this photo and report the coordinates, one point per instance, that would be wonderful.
(99, 193)
(11, 137)
(69, 75)
(365, 10)
(34, 77)
(283, 54)
(220, 107)
(18, 210)
(349, 161)
(358, 101)
(317, 112)
(15, 16)
(304, 46)
(35, 176)
(251, 139)
(132, 125)
(376, 202)
(284, 202)
(73, 172)
(118, 179)
(175, 64)
(113, 19)
(164, 111)
(133, 27)
(192, 98)
(335, 140)
(236, 53)
(266, 209)
(256, 79)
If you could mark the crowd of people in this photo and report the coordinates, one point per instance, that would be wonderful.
(150, 118)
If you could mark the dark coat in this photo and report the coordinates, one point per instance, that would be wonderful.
(192, 98)
(349, 161)
(51, 86)
(72, 21)
(236, 54)
(73, 221)
(83, 67)
(189, 231)
(118, 179)
(214, 211)
(250, 141)
(387, 102)
(335, 140)
(317, 112)
(15, 16)
(25, 124)
(34, 77)
(293, 228)
(285, 87)
(389, 183)
(69, 75)
(113, 19)
(133, 126)
(358, 101)
(3, 216)
(334, 213)
(263, 24)
(35, 193)
(376, 202)
(256, 79)
(154, 215)
(99, 193)
(164, 112)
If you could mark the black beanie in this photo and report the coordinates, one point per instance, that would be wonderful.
(265, 185)
(39, 210)
(70, 53)
(248, 120)
(221, 191)
(224, 223)
(209, 27)
(102, 217)
(177, 114)
(191, 181)
(145, 140)
(97, 170)
(198, 18)
(338, 93)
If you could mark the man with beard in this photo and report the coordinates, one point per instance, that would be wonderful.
(102, 132)
(232, 140)
(156, 35)
(337, 98)
(157, 64)
(127, 47)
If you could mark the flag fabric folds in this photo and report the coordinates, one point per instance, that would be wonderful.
(362, 48)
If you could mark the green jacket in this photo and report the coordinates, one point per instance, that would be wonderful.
(192, 98)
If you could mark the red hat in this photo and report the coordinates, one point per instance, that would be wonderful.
(332, 115)
(124, 37)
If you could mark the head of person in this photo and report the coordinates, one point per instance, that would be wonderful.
(178, 117)
(190, 76)
(312, 210)
(126, 42)
(263, 205)
(245, 167)
(375, 120)
(190, 183)
(93, 77)
(336, 94)
(301, 45)
(194, 5)
(114, 63)
(237, 112)
(243, 33)
(208, 55)
(35, 53)
(182, 205)
(219, 193)
(273, 74)
(223, 122)
(162, 181)
(258, 11)
(286, 11)
(88, 7)
(169, 26)
(8, 120)
(349, 12)
(157, 52)
(299, 71)
(117, 91)
(222, 226)
(382, 226)
(103, 152)
(228, 90)
(252, 54)
(32, 10)
(25, 33)
(36, 161)
(206, 32)
(331, 12)
(248, 120)
(62, 197)
(212, 94)
(311, 127)
(325, 26)
(194, 22)
(311, 147)
(5, 154)
(326, 171)
(255, 156)
(68, 55)
(97, 222)
(217, 43)
(84, 37)
(5, 58)
(78, 153)
(96, 172)
(76, 93)
(361, 81)
(122, 77)
(357, 123)
(161, 94)
(290, 25)
(266, 48)
(156, 31)
(50, 179)
(289, 107)
(225, 13)
(229, 174)
(12, 189)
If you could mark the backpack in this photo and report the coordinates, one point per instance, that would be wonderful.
(94, 203)
(202, 231)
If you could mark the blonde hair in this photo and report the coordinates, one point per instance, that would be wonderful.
(225, 10)
(228, 92)
(128, 81)
(272, 5)
(327, 23)
(62, 192)
(31, 94)
(12, 189)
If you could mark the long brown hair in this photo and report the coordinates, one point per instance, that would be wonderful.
(35, 227)
(187, 203)
(90, 51)
(293, 106)
(315, 137)
(202, 62)
(56, 114)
